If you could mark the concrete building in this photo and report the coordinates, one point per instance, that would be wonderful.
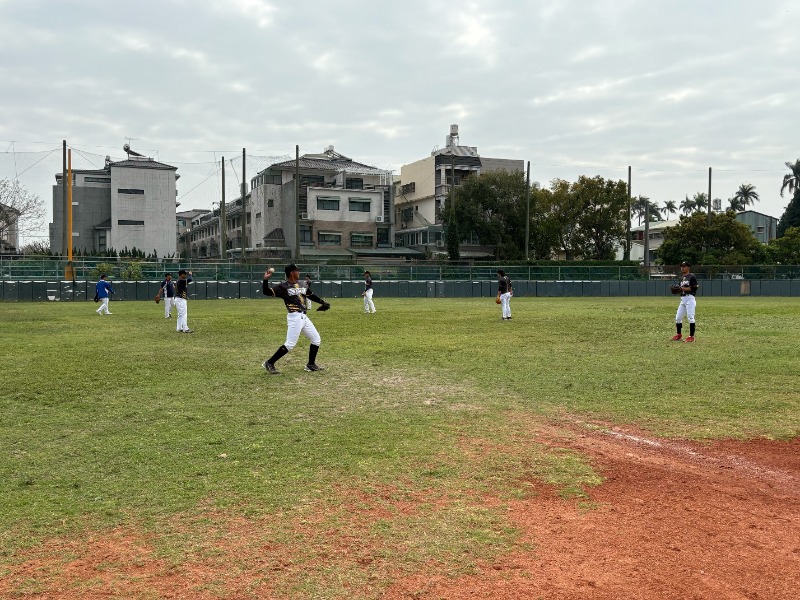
(127, 204)
(9, 229)
(424, 185)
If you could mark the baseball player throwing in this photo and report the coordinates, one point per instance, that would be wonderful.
(294, 295)
(688, 285)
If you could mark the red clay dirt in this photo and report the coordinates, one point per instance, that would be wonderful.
(672, 520)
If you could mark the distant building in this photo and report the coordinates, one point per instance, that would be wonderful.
(764, 227)
(127, 204)
(343, 211)
(655, 236)
(9, 229)
(424, 185)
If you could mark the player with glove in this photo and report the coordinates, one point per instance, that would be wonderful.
(687, 289)
(294, 296)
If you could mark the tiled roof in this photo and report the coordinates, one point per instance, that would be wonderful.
(147, 163)
(318, 164)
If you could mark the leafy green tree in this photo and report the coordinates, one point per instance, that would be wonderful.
(604, 211)
(559, 209)
(786, 249)
(725, 241)
(791, 182)
(642, 206)
(491, 206)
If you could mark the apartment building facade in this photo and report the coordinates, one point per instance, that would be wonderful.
(127, 204)
(424, 185)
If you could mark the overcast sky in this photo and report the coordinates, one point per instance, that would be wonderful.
(670, 88)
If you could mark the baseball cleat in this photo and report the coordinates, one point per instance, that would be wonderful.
(676, 337)
(689, 339)
(270, 368)
(188, 331)
(314, 368)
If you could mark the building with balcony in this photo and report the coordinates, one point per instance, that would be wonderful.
(127, 204)
(424, 185)
(344, 209)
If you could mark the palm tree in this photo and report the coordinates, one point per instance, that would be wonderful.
(670, 208)
(688, 206)
(700, 201)
(745, 196)
(792, 181)
(736, 204)
(639, 206)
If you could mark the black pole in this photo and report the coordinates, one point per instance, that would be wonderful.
(244, 209)
(65, 237)
(297, 202)
(223, 221)
(528, 210)
(628, 241)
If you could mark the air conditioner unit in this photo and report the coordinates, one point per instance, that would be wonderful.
(304, 216)
(379, 219)
(440, 243)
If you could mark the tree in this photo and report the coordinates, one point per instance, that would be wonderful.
(745, 196)
(688, 206)
(735, 204)
(700, 200)
(725, 241)
(20, 211)
(491, 206)
(670, 208)
(559, 210)
(642, 206)
(38, 247)
(786, 249)
(791, 215)
(601, 221)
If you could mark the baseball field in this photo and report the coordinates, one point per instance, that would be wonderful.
(572, 452)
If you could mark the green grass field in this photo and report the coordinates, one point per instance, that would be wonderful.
(118, 421)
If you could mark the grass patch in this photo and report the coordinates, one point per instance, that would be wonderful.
(119, 421)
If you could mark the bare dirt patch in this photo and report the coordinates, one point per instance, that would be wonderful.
(672, 519)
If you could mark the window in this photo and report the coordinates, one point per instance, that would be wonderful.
(305, 234)
(129, 222)
(258, 215)
(270, 203)
(182, 222)
(361, 240)
(354, 183)
(409, 188)
(383, 236)
(130, 191)
(101, 241)
(359, 204)
(97, 179)
(330, 239)
(759, 229)
(273, 177)
(328, 202)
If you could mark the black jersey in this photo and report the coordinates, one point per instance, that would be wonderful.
(503, 284)
(294, 295)
(169, 288)
(690, 280)
(182, 286)
(367, 283)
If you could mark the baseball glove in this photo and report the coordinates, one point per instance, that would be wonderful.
(324, 306)
(675, 289)
(497, 300)
(157, 298)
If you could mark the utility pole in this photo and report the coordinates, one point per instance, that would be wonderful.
(70, 272)
(647, 236)
(64, 232)
(223, 221)
(244, 210)
(528, 210)
(628, 241)
(297, 202)
(709, 197)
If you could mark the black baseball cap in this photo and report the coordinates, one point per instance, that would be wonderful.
(686, 263)
(289, 268)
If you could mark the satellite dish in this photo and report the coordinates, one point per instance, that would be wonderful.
(126, 147)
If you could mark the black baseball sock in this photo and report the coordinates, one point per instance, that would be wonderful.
(679, 326)
(312, 354)
(282, 351)
(691, 329)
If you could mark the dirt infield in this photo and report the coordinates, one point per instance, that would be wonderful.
(672, 520)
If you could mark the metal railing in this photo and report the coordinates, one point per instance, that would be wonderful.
(21, 268)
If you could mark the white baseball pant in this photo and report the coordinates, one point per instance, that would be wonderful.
(686, 308)
(298, 323)
(369, 305)
(505, 304)
(183, 317)
(168, 302)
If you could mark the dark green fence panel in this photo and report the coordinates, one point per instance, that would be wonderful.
(794, 287)
(417, 289)
(591, 288)
(637, 288)
(352, 289)
(39, 291)
(211, 290)
(228, 289)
